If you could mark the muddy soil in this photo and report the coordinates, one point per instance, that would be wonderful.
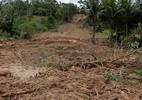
(61, 66)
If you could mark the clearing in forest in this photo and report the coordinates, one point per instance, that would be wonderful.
(65, 65)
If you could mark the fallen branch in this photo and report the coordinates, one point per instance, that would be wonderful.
(122, 57)
(5, 73)
(97, 94)
(18, 93)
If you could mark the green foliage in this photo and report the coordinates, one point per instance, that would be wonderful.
(119, 16)
(6, 18)
(44, 20)
(134, 41)
(25, 26)
(5, 36)
(49, 61)
(112, 77)
(67, 11)
(134, 45)
(24, 35)
(137, 72)
(28, 27)
(17, 21)
(94, 11)
(106, 32)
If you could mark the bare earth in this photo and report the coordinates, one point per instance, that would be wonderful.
(66, 66)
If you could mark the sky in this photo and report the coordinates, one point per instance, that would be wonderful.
(68, 1)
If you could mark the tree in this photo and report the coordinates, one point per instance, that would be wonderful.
(68, 10)
(110, 14)
(7, 18)
(128, 13)
(94, 12)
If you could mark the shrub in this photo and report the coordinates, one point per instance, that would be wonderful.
(134, 41)
(24, 35)
(44, 20)
(112, 77)
(41, 28)
(5, 36)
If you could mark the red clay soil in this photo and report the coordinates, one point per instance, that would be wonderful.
(75, 84)
(77, 17)
(52, 66)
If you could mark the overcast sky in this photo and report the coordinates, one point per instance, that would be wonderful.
(69, 1)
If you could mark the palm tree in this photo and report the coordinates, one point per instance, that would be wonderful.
(93, 15)
(110, 14)
(119, 15)
(128, 13)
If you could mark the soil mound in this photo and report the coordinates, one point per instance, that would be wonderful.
(77, 17)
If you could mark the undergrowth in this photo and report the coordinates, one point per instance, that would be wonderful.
(137, 72)
(48, 61)
(109, 76)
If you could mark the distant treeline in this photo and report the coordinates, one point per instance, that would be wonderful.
(20, 18)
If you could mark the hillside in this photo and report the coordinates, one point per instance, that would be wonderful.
(65, 65)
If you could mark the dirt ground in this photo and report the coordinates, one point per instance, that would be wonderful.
(65, 65)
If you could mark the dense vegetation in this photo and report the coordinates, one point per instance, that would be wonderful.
(123, 19)
(20, 18)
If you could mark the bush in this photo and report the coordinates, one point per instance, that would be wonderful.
(41, 28)
(24, 26)
(5, 36)
(112, 77)
(24, 35)
(134, 41)
(44, 20)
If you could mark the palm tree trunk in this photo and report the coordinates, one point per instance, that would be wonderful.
(94, 35)
(117, 35)
(126, 29)
(141, 25)
(110, 32)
